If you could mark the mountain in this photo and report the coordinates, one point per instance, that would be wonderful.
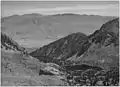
(37, 29)
(104, 49)
(61, 49)
(100, 47)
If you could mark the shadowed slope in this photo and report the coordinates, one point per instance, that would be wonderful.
(61, 49)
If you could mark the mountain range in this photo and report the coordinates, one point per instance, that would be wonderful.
(43, 29)
(71, 56)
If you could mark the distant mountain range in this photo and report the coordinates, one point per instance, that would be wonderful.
(40, 27)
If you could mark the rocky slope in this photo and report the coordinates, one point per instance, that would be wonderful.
(61, 49)
(104, 48)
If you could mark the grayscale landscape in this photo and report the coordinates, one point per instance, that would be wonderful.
(60, 43)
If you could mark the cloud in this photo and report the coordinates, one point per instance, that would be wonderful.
(49, 9)
(93, 9)
(77, 7)
(96, 9)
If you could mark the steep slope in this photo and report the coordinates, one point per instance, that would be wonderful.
(104, 48)
(61, 49)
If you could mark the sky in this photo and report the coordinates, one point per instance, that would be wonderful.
(104, 8)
